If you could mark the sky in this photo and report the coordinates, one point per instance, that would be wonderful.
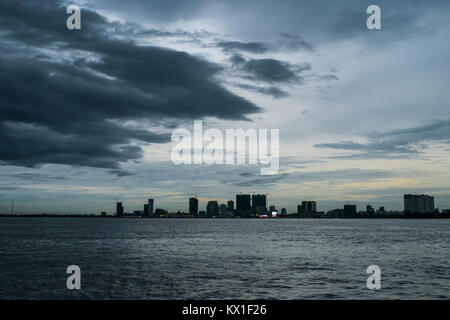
(86, 116)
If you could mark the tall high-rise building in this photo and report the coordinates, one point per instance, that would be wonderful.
(222, 209)
(146, 209)
(193, 206)
(243, 203)
(150, 207)
(418, 203)
(309, 207)
(350, 209)
(119, 209)
(212, 209)
(299, 210)
(230, 205)
(259, 201)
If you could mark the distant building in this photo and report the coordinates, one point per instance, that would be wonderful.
(160, 212)
(222, 209)
(259, 202)
(350, 209)
(370, 209)
(230, 205)
(228, 214)
(418, 203)
(150, 207)
(103, 214)
(299, 210)
(119, 209)
(283, 212)
(212, 209)
(193, 206)
(309, 206)
(243, 203)
(146, 210)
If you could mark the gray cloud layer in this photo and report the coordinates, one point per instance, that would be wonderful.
(401, 142)
(64, 95)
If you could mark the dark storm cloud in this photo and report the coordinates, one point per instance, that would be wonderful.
(35, 177)
(237, 60)
(292, 42)
(272, 71)
(328, 77)
(122, 173)
(29, 145)
(275, 92)
(8, 188)
(286, 43)
(396, 143)
(247, 174)
(69, 108)
(154, 10)
(253, 47)
(321, 20)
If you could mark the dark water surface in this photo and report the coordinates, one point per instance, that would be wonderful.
(223, 258)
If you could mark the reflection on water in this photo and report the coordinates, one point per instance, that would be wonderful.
(223, 259)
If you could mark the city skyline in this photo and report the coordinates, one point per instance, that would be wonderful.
(86, 115)
(257, 205)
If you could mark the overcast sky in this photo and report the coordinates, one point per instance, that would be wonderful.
(86, 115)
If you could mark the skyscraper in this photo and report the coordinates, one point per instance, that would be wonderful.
(230, 205)
(193, 206)
(212, 209)
(222, 209)
(146, 209)
(119, 209)
(243, 203)
(150, 207)
(418, 203)
(259, 201)
(299, 210)
(309, 207)
(349, 209)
